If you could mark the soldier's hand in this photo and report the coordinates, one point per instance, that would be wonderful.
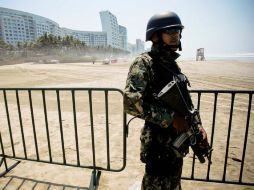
(203, 133)
(180, 123)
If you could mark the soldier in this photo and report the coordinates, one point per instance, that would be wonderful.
(148, 74)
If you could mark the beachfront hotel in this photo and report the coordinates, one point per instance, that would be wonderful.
(110, 25)
(18, 26)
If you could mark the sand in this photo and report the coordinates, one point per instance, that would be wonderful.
(223, 75)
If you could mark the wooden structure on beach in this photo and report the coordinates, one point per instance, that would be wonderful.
(200, 54)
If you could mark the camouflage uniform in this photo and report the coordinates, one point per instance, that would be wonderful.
(146, 77)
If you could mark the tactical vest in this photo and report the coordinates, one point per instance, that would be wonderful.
(158, 154)
(161, 73)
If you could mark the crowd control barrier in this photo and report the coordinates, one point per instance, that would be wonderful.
(82, 127)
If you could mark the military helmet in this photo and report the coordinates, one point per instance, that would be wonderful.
(162, 21)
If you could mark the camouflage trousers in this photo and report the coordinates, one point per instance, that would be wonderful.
(163, 163)
(157, 183)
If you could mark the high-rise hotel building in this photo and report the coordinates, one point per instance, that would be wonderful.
(116, 34)
(18, 26)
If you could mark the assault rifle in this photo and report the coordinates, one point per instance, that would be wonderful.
(172, 96)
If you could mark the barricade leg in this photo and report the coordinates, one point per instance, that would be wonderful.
(3, 160)
(95, 177)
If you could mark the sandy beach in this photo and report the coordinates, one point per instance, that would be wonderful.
(206, 75)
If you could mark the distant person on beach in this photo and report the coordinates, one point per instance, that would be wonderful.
(147, 76)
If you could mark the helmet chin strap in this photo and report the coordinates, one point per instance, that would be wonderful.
(180, 44)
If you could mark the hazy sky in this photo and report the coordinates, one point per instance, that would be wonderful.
(222, 27)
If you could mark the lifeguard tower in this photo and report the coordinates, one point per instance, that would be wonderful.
(200, 54)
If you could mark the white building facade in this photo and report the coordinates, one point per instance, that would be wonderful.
(140, 46)
(18, 26)
(116, 34)
(123, 37)
(89, 37)
(137, 48)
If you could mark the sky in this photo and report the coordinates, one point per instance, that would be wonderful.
(222, 27)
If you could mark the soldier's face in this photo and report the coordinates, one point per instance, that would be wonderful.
(171, 38)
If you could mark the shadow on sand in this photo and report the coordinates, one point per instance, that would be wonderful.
(19, 183)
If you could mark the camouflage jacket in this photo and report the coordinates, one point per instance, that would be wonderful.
(138, 82)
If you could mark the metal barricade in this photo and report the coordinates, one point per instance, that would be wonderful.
(76, 127)
(227, 115)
